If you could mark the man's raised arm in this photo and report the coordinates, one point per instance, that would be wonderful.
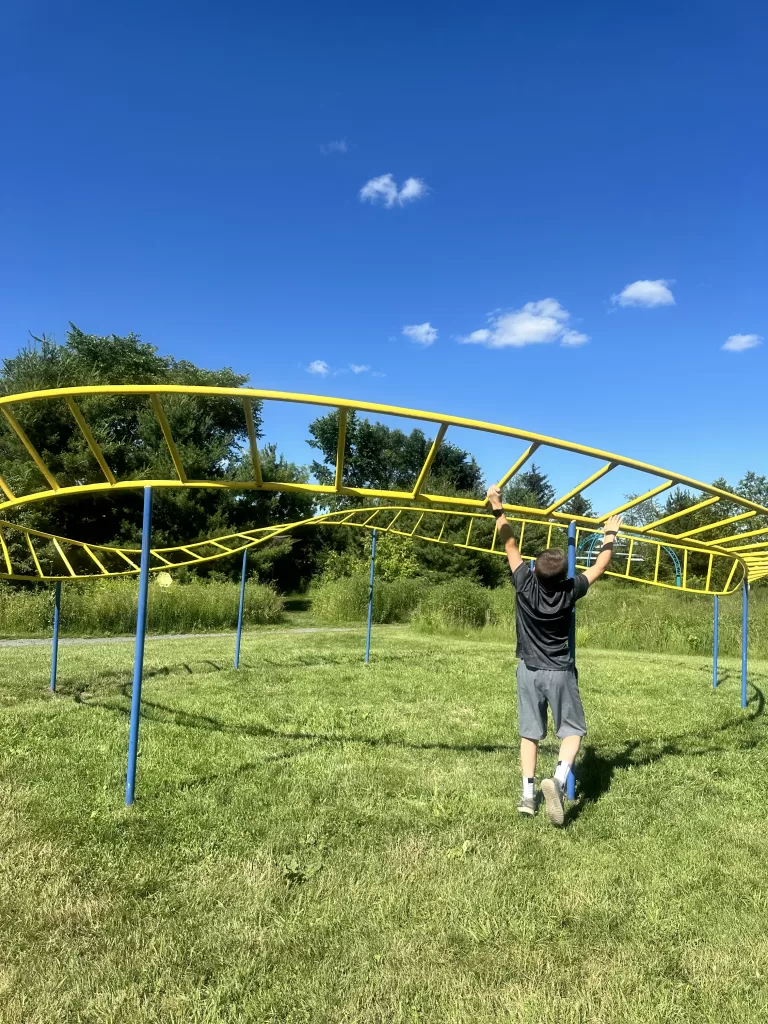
(493, 497)
(611, 528)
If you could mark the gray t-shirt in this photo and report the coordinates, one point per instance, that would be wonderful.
(543, 618)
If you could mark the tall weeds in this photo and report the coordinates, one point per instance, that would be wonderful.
(108, 607)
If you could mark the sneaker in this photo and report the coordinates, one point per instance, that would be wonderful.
(529, 805)
(553, 795)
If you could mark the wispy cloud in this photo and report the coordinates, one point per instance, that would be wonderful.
(422, 334)
(741, 342)
(645, 293)
(319, 367)
(572, 339)
(384, 190)
(537, 323)
(335, 146)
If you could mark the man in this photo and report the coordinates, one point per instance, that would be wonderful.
(546, 673)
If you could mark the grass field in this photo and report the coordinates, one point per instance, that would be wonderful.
(315, 841)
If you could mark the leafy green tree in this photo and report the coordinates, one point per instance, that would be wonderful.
(209, 433)
(384, 458)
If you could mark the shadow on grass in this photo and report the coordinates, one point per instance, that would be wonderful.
(595, 770)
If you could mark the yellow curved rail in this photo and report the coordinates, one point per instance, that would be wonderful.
(746, 548)
(640, 559)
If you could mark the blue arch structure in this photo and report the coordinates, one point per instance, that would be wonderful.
(590, 543)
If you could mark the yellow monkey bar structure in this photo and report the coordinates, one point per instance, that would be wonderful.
(639, 557)
(715, 557)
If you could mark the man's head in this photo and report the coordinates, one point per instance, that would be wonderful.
(551, 567)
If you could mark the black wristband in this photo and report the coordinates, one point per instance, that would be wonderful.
(497, 513)
(610, 533)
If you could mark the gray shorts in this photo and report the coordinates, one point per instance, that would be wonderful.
(538, 688)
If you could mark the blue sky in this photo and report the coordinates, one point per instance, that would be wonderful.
(197, 173)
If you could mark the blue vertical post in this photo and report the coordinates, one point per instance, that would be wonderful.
(716, 643)
(370, 600)
(572, 630)
(744, 618)
(55, 647)
(138, 660)
(240, 612)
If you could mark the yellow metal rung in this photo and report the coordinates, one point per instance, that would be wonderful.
(165, 426)
(64, 558)
(5, 553)
(19, 431)
(35, 559)
(93, 444)
(251, 428)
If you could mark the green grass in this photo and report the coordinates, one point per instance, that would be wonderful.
(315, 841)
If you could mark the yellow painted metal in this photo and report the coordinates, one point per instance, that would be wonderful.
(65, 560)
(579, 488)
(7, 490)
(715, 526)
(93, 444)
(165, 426)
(35, 559)
(36, 458)
(6, 557)
(250, 427)
(517, 465)
(412, 522)
(341, 447)
(742, 558)
(679, 515)
(425, 469)
(638, 500)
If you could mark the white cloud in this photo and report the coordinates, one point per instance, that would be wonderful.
(536, 323)
(384, 190)
(359, 368)
(741, 342)
(422, 334)
(319, 367)
(336, 146)
(645, 293)
(574, 338)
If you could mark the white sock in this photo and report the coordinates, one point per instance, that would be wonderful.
(529, 788)
(561, 773)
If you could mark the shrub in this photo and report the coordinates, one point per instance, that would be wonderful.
(346, 600)
(459, 605)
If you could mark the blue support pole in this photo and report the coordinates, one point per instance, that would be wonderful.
(716, 643)
(240, 612)
(370, 600)
(744, 619)
(55, 646)
(138, 660)
(572, 629)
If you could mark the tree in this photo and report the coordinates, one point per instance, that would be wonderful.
(578, 505)
(210, 435)
(384, 458)
(531, 489)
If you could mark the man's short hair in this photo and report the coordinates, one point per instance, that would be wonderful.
(551, 566)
